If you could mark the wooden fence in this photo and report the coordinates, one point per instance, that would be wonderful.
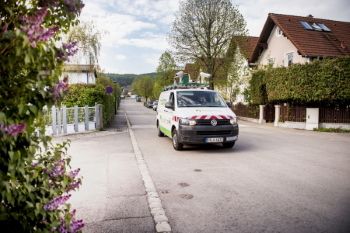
(246, 111)
(334, 115)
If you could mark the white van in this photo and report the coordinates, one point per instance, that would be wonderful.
(196, 116)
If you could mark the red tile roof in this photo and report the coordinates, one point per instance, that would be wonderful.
(247, 44)
(335, 43)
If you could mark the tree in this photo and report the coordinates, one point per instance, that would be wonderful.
(157, 89)
(165, 69)
(34, 174)
(143, 86)
(89, 41)
(236, 72)
(202, 32)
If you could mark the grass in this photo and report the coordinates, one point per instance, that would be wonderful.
(333, 130)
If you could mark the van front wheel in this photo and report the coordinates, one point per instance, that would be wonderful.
(176, 144)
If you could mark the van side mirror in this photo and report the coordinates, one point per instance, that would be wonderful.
(229, 104)
(169, 105)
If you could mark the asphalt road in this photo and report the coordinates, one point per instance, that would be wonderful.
(273, 180)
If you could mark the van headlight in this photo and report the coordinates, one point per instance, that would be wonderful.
(233, 121)
(184, 121)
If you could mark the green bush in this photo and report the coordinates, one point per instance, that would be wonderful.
(324, 81)
(83, 94)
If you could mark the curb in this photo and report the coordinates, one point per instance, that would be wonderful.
(154, 202)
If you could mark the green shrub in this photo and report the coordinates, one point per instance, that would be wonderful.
(324, 81)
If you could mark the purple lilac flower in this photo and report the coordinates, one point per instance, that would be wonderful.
(73, 6)
(33, 30)
(13, 130)
(58, 168)
(74, 227)
(74, 185)
(33, 165)
(60, 87)
(56, 202)
(66, 51)
(74, 173)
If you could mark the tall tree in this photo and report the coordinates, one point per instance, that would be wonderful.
(165, 70)
(143, 86)
(203, 30)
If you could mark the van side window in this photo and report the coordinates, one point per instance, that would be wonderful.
(171, 98)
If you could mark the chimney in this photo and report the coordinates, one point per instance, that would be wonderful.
(310, 16)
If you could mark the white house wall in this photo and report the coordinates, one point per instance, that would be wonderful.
(74, 77)
(278, 47)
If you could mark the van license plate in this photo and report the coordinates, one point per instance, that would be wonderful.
(214, 139)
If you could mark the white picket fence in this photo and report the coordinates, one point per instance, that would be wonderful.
(63, 120)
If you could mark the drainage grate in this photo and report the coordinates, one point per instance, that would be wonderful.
(186, 196)
(184, 184)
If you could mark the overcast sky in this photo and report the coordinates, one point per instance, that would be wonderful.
(138, 28)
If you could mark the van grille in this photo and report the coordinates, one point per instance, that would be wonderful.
(223, 132)
(207, 122)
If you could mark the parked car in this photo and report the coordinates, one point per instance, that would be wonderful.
(155, 105)
(149, 104)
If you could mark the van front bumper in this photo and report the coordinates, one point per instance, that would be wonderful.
(199, 134)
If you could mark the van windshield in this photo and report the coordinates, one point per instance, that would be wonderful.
(199, 99)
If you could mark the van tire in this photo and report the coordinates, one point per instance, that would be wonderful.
(228, 144)
(176, 144)
(160, 133)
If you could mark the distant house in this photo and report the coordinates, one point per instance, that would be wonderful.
(80, 73)
(288, 39)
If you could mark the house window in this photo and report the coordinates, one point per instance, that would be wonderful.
(315, 26)
(270, 60)
(289, 58)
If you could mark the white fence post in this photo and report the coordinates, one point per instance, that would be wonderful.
(261, 114)
(86, 117)
(53, 114)
(59, 120)
(76, 123)
(64, 108)
(277, 114)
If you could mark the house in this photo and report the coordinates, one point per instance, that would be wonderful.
(288, 39)
(80, 73)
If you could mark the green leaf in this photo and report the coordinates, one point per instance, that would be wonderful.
(33, 109)
(2, 117)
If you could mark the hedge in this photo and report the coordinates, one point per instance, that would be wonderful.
(324, 81)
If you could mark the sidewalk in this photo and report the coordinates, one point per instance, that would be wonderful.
(112, 197)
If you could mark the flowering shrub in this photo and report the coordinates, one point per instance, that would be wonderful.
(35, 176)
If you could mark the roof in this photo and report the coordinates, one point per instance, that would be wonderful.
(78, 68)
(246, 44)
(309, 43)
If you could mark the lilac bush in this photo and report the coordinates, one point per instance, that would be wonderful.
(35, 178)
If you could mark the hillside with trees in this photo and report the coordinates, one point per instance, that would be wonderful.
(125, 80)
